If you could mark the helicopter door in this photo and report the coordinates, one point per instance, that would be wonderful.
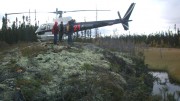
(48, 27)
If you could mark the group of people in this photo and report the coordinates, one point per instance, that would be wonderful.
(60, 30)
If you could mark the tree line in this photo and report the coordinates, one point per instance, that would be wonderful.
(14, 34)
(164, 39)
(158, 39)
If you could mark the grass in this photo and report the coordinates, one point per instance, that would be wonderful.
(25, 47)
(32, 50)
(164, 59)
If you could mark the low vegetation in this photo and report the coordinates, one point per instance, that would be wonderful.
(81, 72)
(32, 50)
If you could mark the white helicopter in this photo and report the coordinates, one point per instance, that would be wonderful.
(44, 31)
(47, 27)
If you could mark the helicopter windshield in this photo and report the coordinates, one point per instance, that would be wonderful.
(43, 27)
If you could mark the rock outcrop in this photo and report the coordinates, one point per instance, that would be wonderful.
(85, 72)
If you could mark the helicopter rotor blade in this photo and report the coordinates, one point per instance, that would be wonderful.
(20, 13)
(60, 12)
(15, 13)
(84, 10)
(56, 12)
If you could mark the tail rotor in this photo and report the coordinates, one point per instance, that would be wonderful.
(126, 17)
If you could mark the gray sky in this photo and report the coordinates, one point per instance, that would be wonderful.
(171, 11)
(148, 15)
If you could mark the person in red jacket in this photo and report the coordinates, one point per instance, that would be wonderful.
(55, 31)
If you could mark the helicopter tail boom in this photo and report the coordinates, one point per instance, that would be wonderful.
(126, 17)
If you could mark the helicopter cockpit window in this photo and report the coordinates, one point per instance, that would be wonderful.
(43, 27)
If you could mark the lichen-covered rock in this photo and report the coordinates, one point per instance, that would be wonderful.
(62, 73)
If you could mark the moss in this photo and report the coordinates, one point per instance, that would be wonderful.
(12, 66)
(32, 50)
(13, 61)
(7, 96)
(124, 56)
(93, 88)
(17, 69)
(23, 62)
(43, 77)
(155, 98)
(28, 87)
(27, 82)
(117, 64)
(112, 86)
(75, 50)
(1, 57)
(115, 68)
(87, 67)
(30, 84)
(81, 72)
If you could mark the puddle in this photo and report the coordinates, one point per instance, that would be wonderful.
(163, 84)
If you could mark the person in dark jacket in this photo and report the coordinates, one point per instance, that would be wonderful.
(61, 32)
(55, 31)
(70, 32)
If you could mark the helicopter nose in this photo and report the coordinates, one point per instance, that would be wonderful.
(37, 31)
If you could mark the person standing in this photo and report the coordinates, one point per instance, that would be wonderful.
(70, 32)
(61, 32)
(55, 31)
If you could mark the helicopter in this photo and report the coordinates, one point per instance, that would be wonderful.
(44, 31)
(47, 35)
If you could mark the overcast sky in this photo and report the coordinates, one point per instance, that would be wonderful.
(148, 15)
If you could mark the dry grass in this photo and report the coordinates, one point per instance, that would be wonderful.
(26, 48)
(166, 59)
(32, 50)
(6, 47)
